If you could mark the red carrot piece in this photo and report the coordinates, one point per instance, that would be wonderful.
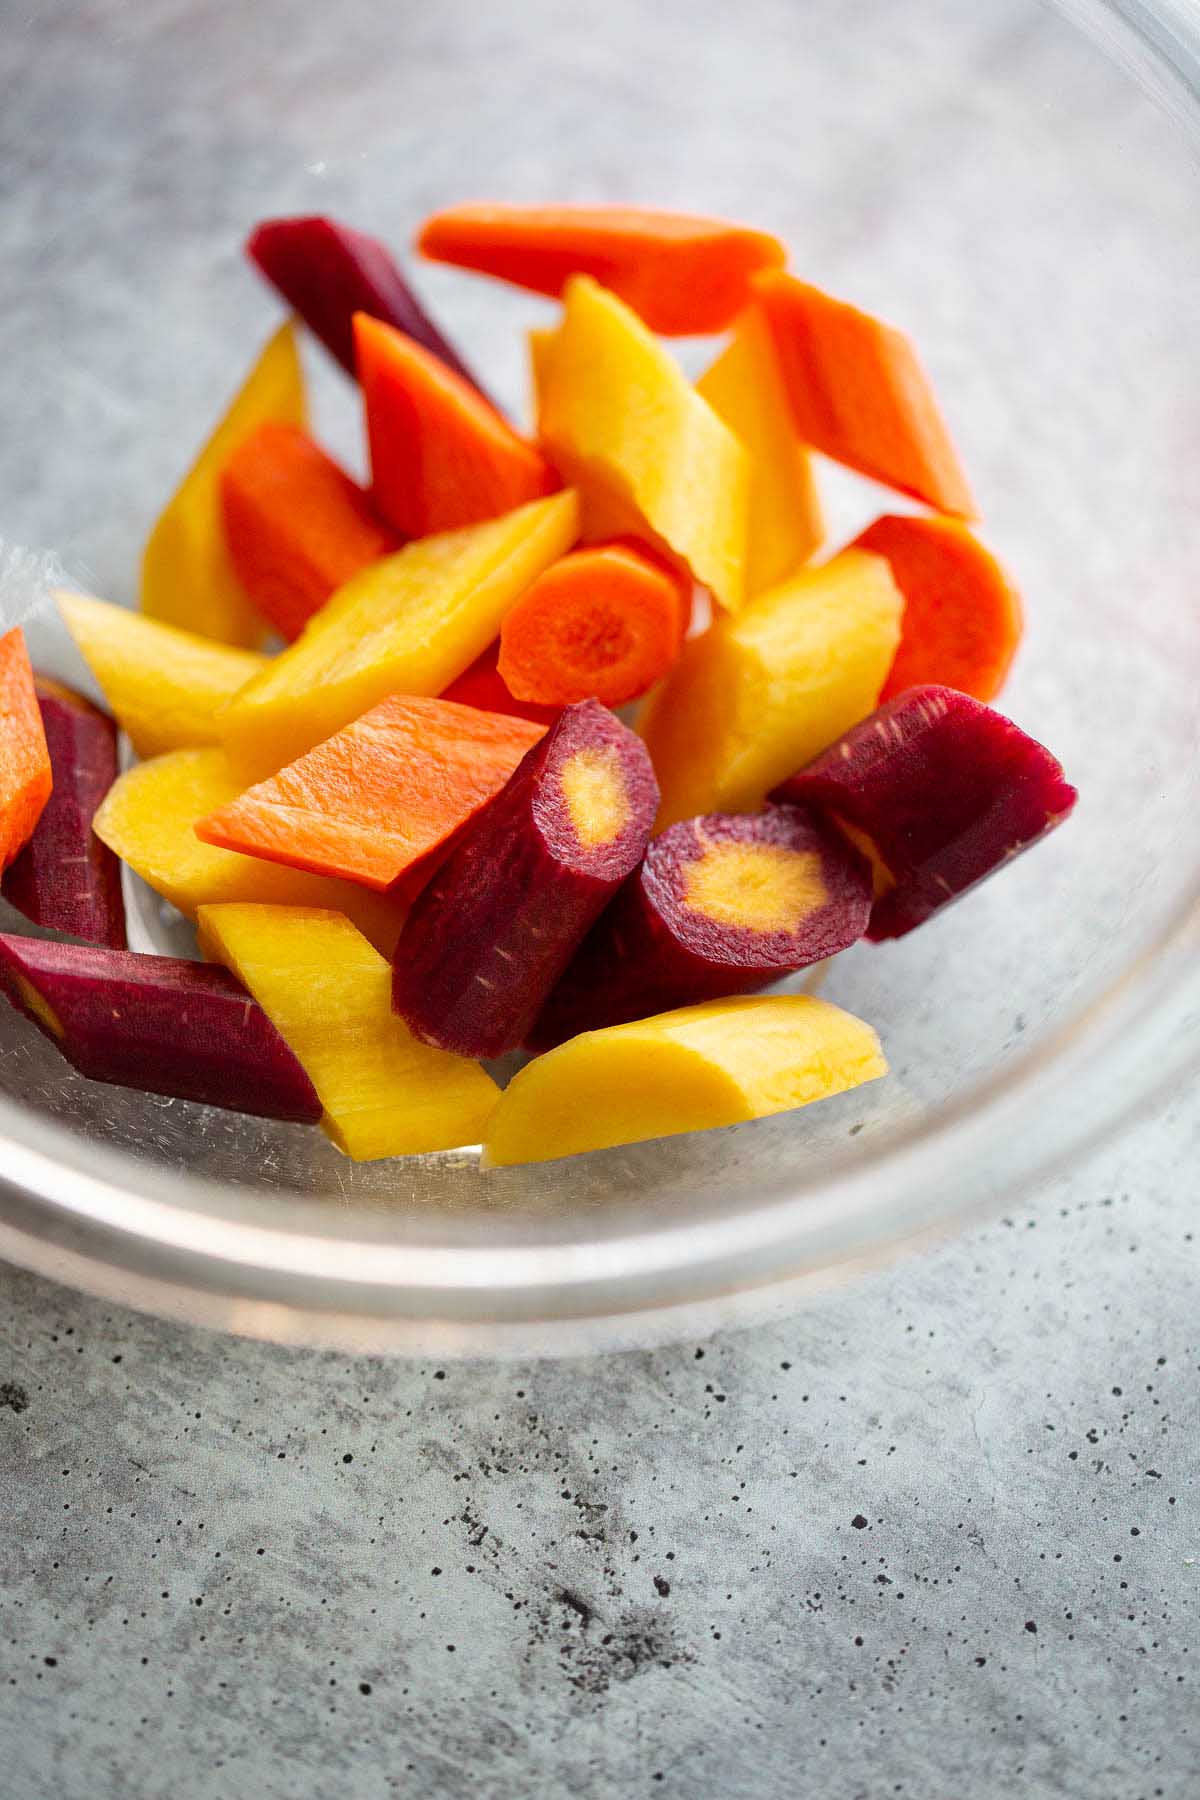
(65, 878)
(158, 1024)
(606, 622)
(859, 394)
(326, 272)
(441, 456)
(371, 802)
(494, 930)
(679, 273)
(296, 525)
(962, 616)
(25, 774)
(482, 685)
(941, 791)
(721, 905)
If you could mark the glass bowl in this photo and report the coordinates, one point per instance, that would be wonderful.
(1017, 193)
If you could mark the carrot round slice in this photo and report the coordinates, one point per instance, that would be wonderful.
(680, 274)
(962, 616)
(604, 623)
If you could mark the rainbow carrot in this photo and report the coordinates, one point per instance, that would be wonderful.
(962, 615)
(604, 623)
(860, 395)
(441, 456)
(296, 525)
(680, 274)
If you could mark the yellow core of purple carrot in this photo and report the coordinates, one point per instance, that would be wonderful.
(880, 873)
(593, 787)
(42, 1012)
(759, 887)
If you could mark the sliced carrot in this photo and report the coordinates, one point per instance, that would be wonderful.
(296, 526)
(605, 512)
(603, 623)
(441, 456)
(680, 274)
(380, 795)
(962, 615)
(482, 685)
(859, 394)
(25, 778)
(784, 522)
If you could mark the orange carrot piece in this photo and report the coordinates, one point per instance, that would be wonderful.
(859, 394)
(441, 456)
(603, 623)
(296, 526)
(25, 778)
(962, 616)
(482, 685)
(378, 797)
(680, 274)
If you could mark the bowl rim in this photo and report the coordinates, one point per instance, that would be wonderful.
(301, 1270)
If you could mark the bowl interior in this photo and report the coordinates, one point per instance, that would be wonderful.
(980, 175)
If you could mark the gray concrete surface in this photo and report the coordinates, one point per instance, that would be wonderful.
(937, 1537)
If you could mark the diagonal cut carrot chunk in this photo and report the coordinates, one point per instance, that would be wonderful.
(441, 456)
(188, 579)
(297, 527)
(859, 394)
(25, 776)
(679, 273)
(381, 795)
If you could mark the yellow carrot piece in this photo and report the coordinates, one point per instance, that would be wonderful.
(604, 511)
(148, 818)
(329, 995)
(757, 696)
(408, 624)
(187, 576)
(616, 410)
(690, 1070)
(745, 389)
(164, 686)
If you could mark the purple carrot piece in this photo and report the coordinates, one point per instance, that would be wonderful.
(65, 878)
(941, 790)
(495, 928)
(721, 905)
(327, 272)
(157, 1023)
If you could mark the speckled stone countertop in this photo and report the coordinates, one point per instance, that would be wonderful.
(936, 1537)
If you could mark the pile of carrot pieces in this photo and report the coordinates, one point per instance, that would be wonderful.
(379, 762)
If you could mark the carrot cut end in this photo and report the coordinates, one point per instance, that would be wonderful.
(603, 623)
